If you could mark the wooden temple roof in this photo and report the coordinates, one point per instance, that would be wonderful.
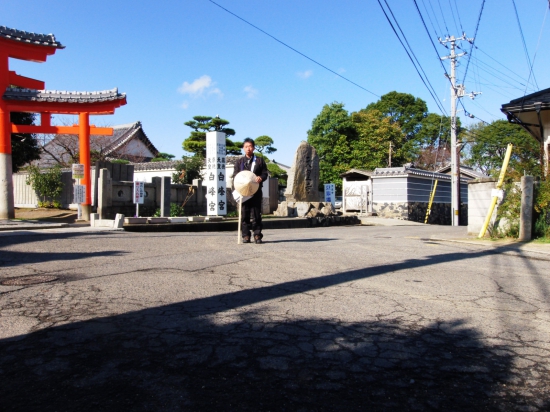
(30, 38)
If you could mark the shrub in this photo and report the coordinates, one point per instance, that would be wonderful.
(175, 211)
(47, 184)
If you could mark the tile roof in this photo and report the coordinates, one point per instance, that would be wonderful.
(405, 171)
(171, 164)
(30, 38)
(465, 170)
(357, 171)
(527, 103)
(12, 93)
(122, 134)
(167, 165)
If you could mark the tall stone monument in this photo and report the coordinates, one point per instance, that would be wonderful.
(303, 178)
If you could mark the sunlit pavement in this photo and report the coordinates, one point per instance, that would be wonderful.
(341, 318)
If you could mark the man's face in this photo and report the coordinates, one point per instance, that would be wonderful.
(248, 149)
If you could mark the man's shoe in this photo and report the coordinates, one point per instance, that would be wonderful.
(258, 240)
(246, 239)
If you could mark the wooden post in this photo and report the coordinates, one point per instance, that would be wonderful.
(239, 225)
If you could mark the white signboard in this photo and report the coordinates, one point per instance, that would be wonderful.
(79, 193)
(139, 192)
(78, 171)
(216, 200)
(330, 193)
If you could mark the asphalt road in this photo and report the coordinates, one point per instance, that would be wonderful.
(343, 318)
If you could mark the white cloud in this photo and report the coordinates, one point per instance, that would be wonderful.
(185, 105)
(251, 92)
(306, 74)
(216, 91)
(199, 86)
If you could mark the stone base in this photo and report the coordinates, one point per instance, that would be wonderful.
(304, 209)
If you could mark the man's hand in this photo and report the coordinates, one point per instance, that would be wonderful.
(258, 179)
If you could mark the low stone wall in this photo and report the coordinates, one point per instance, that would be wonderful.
(416, 212)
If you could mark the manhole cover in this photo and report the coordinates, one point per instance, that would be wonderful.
(28, 280)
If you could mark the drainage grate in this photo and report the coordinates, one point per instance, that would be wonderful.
(28, 280)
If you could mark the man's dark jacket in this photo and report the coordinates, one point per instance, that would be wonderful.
(260, 168)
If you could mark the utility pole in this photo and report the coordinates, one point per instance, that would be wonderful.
(389, 154)
(457, 91)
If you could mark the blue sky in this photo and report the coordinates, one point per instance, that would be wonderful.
(178, 59)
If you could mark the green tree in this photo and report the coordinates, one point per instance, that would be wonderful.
(374, 134)
(163, 157)
(331, 134)
(264, 142)
(196, 142)
(187, 169)
(404, 109)
(24, 147)
(488, 144)
(277, 173)
(47, 184)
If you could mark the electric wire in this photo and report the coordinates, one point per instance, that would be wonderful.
(458, 15)
(430, 19)
(524, 45)
(435, 18)
(473, 40)
(496, 61)
(425, 81)
(293, 49)
(453, 14)
(443, 16)
(538, 44)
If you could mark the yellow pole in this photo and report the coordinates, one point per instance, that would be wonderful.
(430, 203)
(499, 185)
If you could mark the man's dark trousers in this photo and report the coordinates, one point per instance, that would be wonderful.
(251, 218)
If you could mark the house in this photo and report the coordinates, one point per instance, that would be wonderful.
(532, 112)
(128, 142)
(466, 172)
(357, 190)
(404, 193)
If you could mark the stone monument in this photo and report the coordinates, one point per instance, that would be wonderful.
(302, 192)
(303, 179)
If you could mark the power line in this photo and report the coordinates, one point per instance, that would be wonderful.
(453, 14)
(443, 15)
(525, 46)
(293, 49)
(431, 40)
(424, 80)
(473, 40)
(431, 22)
(458, 14)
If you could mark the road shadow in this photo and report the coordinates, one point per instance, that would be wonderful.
(311, 240)
(212, 354)
(9, 258)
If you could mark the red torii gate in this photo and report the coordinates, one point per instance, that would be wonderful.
(30, 96)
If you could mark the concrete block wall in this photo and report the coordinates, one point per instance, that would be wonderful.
(479, 200)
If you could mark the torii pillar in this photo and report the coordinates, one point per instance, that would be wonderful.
(6, 182)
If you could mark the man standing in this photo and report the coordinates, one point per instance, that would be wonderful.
(252, 208)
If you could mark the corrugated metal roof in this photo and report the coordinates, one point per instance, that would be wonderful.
(30, 38)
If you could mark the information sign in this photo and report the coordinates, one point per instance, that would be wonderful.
(330, 193)
(139, 193)
(78, 171)
(79, 193)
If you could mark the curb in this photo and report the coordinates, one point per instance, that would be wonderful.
(228, 226)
